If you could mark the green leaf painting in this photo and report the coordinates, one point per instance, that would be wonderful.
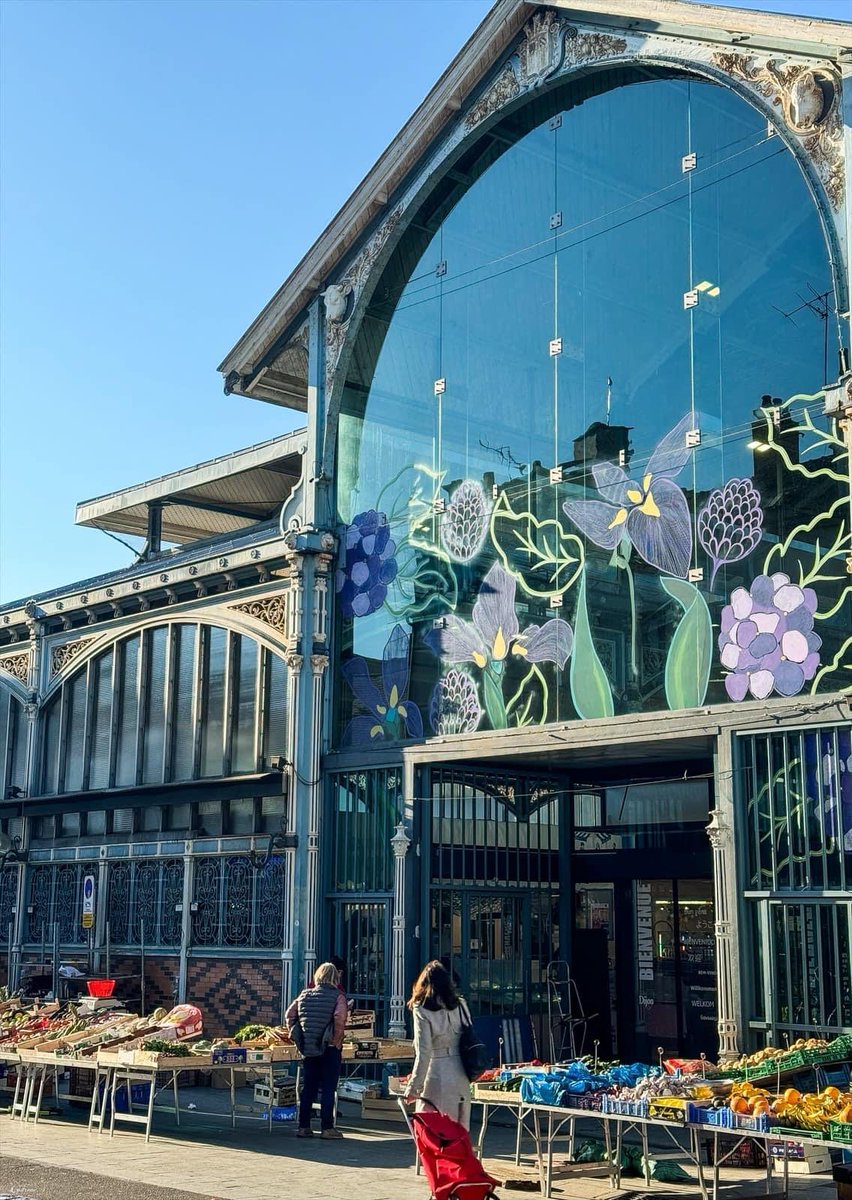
(691, 649)
(551, 556)
(495, 705)
(590, 688)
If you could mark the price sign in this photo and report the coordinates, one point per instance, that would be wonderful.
(88, 901)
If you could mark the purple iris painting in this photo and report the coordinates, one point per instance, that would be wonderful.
(494, 633)
(652, 515)
(391, 716)
(369, 566)
(767, 641)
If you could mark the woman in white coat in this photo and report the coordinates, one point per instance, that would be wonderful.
(439, 1016)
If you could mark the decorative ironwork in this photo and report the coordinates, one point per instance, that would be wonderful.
(54, 897)
(206, 920)
(147, 891)
(118, 902)
(67, 908)
(62, 655)
(271, 610)
(16, 665)
(237, 909)
(39, 903)
(8, 894)
(170, 921)
(271, 883)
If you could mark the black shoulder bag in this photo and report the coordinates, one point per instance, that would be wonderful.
(472, 1050)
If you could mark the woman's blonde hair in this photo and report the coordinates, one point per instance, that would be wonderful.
(326, 975)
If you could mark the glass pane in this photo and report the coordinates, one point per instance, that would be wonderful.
(213, 702)
(4, 729)
(125, 762)
(697, 950)
(656, 954)
(101, 716)
(243, 754)
(241, 816)
(275, 707)
(75, 732)
(50, 747)
(183, 693)
(154, 732)
(18, 729)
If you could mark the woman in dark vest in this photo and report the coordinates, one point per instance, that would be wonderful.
(320, 1012)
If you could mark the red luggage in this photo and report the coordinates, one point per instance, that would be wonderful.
(452, 1170)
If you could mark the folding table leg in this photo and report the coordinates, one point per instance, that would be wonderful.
(176, 1094)
(150, 1116)
(42, 1075)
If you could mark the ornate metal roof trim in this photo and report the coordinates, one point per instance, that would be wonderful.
(16, 665)
(61, 656)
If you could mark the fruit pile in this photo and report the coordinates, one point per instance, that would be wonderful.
(792, 1108)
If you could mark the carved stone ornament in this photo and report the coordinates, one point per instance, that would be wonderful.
(319, 663)
(540, 53)
(349, 288)
(294, 661)
(504, 89)
(62, 655)
(271, 610)
(16, 665)
(809, 100)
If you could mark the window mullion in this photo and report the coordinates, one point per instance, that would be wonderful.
(231, 675)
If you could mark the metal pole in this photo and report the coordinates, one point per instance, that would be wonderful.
(9, 956)
(55, 974)
(43, 946)
(142, 963)
(108, 955)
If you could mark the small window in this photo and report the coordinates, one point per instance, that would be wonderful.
(241, 816)
(150, 819)
(45, 828)
(273, 810)
(210, 817)
(69, 825)
(96, 822)
(178, 817)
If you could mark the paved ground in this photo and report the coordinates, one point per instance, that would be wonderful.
(207, 1160)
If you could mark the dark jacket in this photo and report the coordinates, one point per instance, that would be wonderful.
(316, 1011)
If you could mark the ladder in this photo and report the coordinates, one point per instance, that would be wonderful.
(567, 1022)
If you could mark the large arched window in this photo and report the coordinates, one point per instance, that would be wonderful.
(170, 703)
(13, 742)
(581, 443)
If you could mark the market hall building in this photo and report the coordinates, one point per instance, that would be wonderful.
(534, 645)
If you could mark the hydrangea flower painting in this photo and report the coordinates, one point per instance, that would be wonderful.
(369, 566)
(767, 641)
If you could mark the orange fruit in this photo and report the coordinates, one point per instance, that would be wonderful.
(739, 1104)
(792, 1096)
(833, 1093)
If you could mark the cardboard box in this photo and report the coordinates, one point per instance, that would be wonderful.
(381, 1110)
(230, 1054)
(814, 1164)
(276, 1097)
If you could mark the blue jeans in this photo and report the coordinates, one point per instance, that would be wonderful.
(320, 1073)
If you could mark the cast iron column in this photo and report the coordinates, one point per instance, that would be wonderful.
(727, 965)
(400, 843)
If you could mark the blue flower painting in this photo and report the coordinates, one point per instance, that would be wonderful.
(391, 716)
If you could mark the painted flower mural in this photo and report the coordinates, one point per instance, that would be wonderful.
(465, 522)
(369, 566)
(494, 633)
(652, 515)
(454, 705)
(730, 525)
(767, 642)
(493, 636)
(390, 715)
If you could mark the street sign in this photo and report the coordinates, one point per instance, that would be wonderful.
(88, 901)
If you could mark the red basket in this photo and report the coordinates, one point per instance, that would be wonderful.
(102, 988)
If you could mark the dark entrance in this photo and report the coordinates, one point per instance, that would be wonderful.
(644, 944)
(525, 869)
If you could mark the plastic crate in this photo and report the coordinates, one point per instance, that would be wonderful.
(286, 1112)
(101, 988)
(624, 1108)
(589, 1102)
(792, 1134)
(840, 1131)
(726, 1118)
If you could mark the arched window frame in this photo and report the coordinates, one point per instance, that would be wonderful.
(58, 720)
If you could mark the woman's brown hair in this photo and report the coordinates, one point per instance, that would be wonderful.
(434, 988)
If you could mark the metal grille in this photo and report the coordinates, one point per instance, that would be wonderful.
(494, 897)
(361, 940)
(795, 802)
(797, 789)
(237, 905)
(54, 895)
(8, 890)
(366, 808)
(142, 898)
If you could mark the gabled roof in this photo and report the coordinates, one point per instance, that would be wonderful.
(216, 497)
(265, 338)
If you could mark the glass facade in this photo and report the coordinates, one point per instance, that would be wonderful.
(13, 742)
(583, 468)
(172, 703)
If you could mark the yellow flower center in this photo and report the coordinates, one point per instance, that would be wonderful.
(500, 646)
(643, 500)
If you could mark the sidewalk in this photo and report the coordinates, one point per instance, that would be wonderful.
(372, 1162)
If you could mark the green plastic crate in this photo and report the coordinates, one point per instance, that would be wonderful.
(840, 1131)
(791, 1135)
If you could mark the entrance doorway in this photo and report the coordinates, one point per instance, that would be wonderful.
(648, 975)
(484, 937)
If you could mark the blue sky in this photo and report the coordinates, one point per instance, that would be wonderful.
(164, 166)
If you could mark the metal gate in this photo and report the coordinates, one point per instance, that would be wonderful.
(362, 940)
